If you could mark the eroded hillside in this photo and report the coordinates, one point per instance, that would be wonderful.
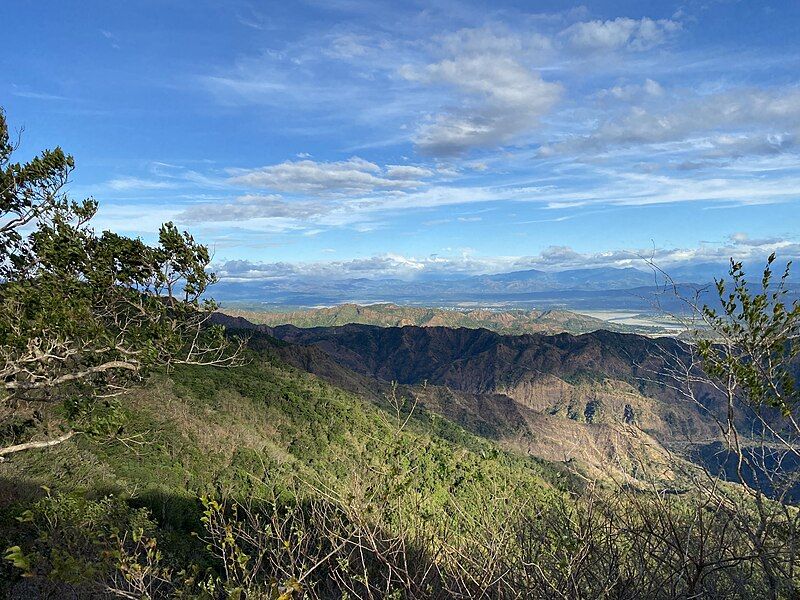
(605, 400)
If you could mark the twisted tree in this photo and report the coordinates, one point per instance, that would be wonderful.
(86, 316)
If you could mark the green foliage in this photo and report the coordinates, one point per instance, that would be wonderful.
(303, 430)
(756, 339)
(74, 536)
(295, 472)
(85, 316)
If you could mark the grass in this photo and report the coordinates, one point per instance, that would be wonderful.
(201, 430)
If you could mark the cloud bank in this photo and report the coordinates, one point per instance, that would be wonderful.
(554, 258)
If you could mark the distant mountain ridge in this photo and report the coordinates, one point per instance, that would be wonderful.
(582, 279)
(591, 288)
(512, 321)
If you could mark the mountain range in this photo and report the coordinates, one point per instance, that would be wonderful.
(601, 400)
(509, 321)
(591, 288)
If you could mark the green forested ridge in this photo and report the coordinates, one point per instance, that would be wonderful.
(237, 432)
(202, 427)
(508, 321)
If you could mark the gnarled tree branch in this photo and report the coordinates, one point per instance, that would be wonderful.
(32, 445)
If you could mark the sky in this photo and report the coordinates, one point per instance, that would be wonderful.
(404, 139)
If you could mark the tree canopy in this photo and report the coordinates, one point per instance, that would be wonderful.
(86, 315)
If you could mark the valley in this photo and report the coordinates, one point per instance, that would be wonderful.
(420, 427)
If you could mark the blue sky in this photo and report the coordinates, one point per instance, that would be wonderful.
(373, 139)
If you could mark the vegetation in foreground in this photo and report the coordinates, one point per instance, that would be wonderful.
(261, 435)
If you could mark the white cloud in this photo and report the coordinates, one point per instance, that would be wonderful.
(732, 123)
(365, 211)
(619, 33)
(388, 265)
(493, 86)
(404, 172)
(643, 189)
(740, 238)
(134, 183)
(346, 176)
(564, 257)
(552, 258)
(633, 91)
(249, 207)
(500, 97)
(652, 87)
(493, 40)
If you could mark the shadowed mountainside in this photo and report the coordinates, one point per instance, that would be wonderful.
(602, 397)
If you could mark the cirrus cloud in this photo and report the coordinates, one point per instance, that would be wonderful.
(249, 207)
(735, 122)
(345, 176)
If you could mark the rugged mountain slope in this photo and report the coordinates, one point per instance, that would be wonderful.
(600, 398)
(601, 376)
(598, 445)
